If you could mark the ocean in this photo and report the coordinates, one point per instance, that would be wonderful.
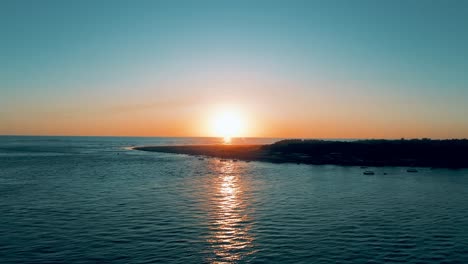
(95, 200)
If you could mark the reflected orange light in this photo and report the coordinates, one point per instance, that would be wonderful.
(227, 140)
(231, 237)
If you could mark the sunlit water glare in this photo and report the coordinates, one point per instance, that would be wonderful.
(89, 200)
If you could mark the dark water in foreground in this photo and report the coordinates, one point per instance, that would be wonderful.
(87, 200)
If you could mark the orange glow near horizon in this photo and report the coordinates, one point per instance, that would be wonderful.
(228, 123)
(247, 118)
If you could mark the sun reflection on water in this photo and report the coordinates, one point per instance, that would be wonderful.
(230, 239)
(227, 140)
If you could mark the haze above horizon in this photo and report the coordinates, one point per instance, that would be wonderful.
(308, 69)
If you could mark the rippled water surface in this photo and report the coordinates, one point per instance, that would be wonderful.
(88, 200)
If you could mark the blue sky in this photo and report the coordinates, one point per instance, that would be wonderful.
(405, 60)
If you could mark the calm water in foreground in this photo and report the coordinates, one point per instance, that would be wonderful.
(89, 199)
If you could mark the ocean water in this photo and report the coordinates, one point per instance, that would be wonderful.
(94, 200)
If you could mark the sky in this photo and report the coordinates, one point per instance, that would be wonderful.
(308, 69)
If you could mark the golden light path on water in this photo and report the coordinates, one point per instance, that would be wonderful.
(230, 237)
(227, 140)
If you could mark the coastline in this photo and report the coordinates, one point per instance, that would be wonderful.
(240, 152)
(377, 153)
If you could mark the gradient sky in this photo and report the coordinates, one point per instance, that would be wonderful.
(318, 69)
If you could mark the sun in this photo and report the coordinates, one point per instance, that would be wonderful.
(228, 124)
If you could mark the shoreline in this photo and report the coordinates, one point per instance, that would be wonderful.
(375, 153)
(240, 152)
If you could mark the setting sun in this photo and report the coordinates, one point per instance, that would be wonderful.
(228, 124)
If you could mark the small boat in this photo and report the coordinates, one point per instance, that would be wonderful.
(368, 173)
(412, 170)
(234, 160)
(223, 160)
(201, 158)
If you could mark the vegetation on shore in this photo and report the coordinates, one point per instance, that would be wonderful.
(414, 152)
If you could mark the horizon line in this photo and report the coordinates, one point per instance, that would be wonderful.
(302, 138)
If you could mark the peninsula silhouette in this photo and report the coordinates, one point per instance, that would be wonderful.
(414, 152)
